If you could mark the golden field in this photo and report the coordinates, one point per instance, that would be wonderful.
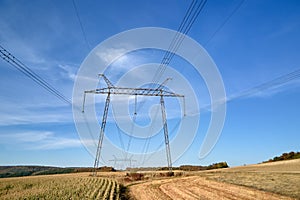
(277, 180)
(68, 186)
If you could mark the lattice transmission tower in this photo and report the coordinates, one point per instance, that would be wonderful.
(113, 90)
(123, 160)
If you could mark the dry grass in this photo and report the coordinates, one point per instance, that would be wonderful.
(282, 177)
(287, 184)
(291, 166)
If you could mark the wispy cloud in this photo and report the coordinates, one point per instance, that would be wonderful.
(284, 29)
(120, 60)
(264, 90)
(68, 71)
(16, 114)
(39, 140)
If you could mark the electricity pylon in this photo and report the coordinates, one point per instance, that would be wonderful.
(111, 89)
(116, 160)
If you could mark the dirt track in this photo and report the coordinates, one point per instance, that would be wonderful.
(196, 187)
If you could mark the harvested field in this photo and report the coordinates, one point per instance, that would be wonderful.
(287, 184)
(282, 177)
(278, 180)
(290, 166)
(196, 187)
(70, 186)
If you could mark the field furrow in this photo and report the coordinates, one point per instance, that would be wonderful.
(196, 187)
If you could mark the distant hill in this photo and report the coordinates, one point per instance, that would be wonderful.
(16, 171)
(285, 156)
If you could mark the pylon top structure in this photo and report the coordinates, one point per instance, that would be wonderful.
(111, 89)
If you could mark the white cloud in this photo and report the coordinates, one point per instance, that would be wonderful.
(120, 61)
(111, 54)
(68, 71)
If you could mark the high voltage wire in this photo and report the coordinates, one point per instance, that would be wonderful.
(279, 81)
(225, 21)
(119, 131)
(222, 24)
(168, 56)
(190, 17)
(16, 63)
(178, 39)
(186, 24)
(174, 41)
(81, 25)
(145, 147)
(161, 144)
(276, 82)
(89, 47)
(192, 13)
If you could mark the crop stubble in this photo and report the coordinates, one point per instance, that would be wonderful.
(196, 187)
(59, 187)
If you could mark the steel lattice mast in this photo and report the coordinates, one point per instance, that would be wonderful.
(130, 160)
(111, 89)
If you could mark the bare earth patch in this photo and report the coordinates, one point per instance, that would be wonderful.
(196, 187)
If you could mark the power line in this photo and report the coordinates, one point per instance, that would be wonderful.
(145, 148)
(119, 132)
(147, 142)
(222, 25)
(276, 82)
(279, 81)
(81, 25)
(161, 144)
(225, 21)
(16, 63)
(174, 41)
(189, 19)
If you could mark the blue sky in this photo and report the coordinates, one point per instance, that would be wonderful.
(258, 43)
